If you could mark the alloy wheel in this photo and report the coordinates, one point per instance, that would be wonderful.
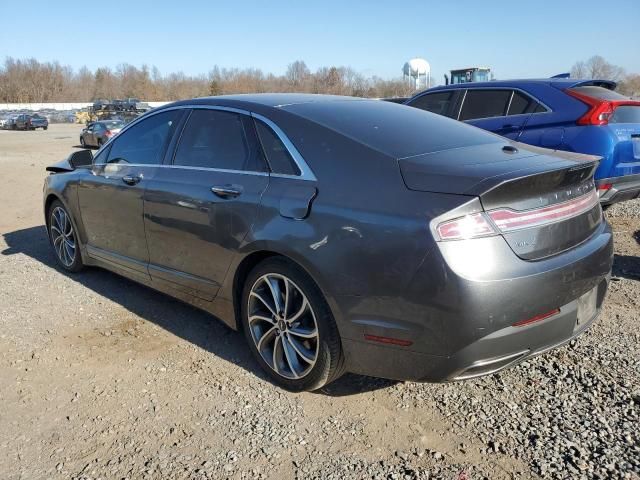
(283, 326)
(63, 236)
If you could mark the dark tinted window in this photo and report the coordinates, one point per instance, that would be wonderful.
(277, 154)
(522, 103)
(626, 114)
(600, 93)
(219, 139)
(484, 104)
(145, 142)
(438, 102)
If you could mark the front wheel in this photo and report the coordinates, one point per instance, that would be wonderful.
(289, 327)
(63, 238)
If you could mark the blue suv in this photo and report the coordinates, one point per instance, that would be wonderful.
(584, 116)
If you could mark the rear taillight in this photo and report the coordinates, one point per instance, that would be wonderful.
(508, 220)
(600, 111)
(504, 220)
(108, 133)
(469, 226)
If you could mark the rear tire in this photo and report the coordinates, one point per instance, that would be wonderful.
(82, 142)
(295, 339)
(63, 237)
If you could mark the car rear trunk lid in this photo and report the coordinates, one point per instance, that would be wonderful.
(542, 202)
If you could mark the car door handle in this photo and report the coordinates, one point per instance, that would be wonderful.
(227, 191)
(132, 179)
(510, 127)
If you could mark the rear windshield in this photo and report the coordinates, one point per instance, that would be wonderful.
(626, 114)
(599, 93)
(113, 124)
(396, 130)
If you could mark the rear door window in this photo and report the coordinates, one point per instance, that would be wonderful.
(485, 104)
(220, 140)
(436, 102)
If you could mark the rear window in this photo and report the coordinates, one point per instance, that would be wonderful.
(626, 114)
(277, 154)
(395, 130)
(523, 104)
(114, 124)
(600, 93)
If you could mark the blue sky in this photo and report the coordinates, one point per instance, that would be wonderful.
(515, 38)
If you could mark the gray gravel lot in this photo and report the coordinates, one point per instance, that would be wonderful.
(103, 378)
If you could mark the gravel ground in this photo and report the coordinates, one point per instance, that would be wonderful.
(103, 378)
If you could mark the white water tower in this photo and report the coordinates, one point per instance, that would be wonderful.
(418, 72)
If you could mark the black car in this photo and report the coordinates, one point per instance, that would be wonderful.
(343, 234)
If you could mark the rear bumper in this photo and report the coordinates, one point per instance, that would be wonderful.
(622, 188)
(497, 351)
(460, 310)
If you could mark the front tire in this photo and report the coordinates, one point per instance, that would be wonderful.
(289, 327)
(63, 237)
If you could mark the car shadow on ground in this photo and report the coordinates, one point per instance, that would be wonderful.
(182, 320)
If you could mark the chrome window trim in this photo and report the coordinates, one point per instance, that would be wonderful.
(305, 171)
(184, 167)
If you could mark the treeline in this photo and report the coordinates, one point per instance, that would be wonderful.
(31, 81)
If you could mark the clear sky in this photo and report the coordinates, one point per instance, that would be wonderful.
(515, 38)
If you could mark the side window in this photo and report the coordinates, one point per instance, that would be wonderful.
(437, 102)
(277, 154)
(522, 103)
(145, 142)
(485, 104)
(219, 139)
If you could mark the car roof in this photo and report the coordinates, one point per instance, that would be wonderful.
(276, 100)
(560, 83)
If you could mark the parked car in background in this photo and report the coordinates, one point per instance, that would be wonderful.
(118, 105)
(584, 116)
(135, 105)
(39, 121)
(27, 121)
(7, 122)
(97, 134)
(342, 234)
(101, 104)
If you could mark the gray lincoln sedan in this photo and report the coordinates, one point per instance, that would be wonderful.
(342, 234)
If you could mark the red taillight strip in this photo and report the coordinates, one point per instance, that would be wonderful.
(507, 220)
(600, 110)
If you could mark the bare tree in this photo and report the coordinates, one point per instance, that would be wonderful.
(597, 67)
(32, 81)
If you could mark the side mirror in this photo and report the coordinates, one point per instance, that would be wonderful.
(81, 158)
